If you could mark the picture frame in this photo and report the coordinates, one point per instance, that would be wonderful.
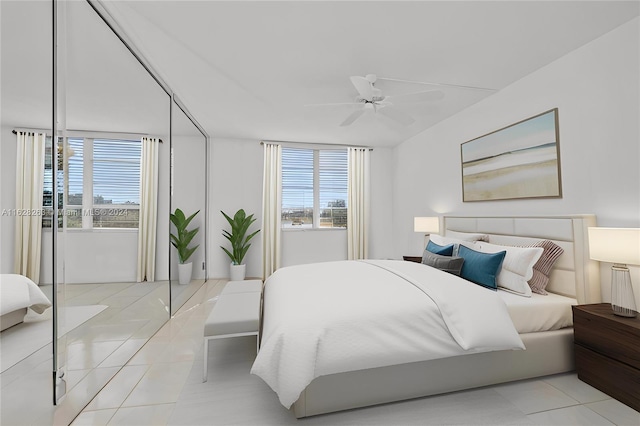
(520, 161)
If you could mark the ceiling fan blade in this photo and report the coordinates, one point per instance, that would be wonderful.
(426, 96)
(335, 104)
(396, 115)
(428, 83)
(364, 87)
(352, 117)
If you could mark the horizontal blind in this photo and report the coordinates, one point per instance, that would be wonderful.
(75, 163)
(116, 171)
(47, 200)
(297, 178)
(333, 178)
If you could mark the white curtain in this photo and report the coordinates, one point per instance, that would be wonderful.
(148, 210)
(29, 193)
(271, 208)
(358, 204)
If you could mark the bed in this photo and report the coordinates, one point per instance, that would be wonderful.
(17, 294)
(319, 376)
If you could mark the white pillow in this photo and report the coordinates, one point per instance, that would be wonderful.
(517, 267)
(467, 236)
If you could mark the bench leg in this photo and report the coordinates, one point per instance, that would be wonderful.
(206, 360)
(205, 354)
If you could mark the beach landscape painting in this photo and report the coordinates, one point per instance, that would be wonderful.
(518, 161)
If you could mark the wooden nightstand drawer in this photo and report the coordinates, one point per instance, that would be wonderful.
(597, 328)
(610, 376)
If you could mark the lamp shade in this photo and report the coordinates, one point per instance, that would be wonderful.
(427, 225)
(615, 245)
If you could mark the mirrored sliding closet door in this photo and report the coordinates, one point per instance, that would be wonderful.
(25, 155)
(188, 207)
(112, 190)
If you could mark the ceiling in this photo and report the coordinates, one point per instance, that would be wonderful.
(247, 69)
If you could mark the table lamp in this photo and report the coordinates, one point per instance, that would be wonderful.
(620, 246)
(426, 225)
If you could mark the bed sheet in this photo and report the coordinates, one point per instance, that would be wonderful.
(539, 312)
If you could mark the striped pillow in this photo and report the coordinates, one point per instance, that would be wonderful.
(543, 266)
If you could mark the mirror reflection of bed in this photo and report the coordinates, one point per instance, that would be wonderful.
(94, 312)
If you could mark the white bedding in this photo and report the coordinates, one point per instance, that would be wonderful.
(18, 292)
(538, 312)
(333, 317)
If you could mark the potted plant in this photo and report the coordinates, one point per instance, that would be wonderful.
(181, 241)
(239, 242)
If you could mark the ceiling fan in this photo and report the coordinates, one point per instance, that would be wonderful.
(372, 99)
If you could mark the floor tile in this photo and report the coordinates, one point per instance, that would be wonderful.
(80, 395)
(576, 388)
(120, 331)
(161, 384)
(32, 376)
(119, 388)
(94, 418)
(156, 415)
(151, 352)
(89, 355)
(532, 396)
(616, 412)
(578, 415)
(124, 353)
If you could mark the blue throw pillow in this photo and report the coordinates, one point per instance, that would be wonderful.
(441, 250)
(481, 268)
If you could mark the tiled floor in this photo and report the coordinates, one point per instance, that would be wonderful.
(162, 385)
(95, 351)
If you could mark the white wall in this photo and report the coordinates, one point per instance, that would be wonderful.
(596, 89)
(235, 173)
(99, 256)
(381, 230)
(236, 182)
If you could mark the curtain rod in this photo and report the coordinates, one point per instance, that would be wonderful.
(327, 145)
(15, 132)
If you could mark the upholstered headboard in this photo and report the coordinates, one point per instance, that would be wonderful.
(574, 274)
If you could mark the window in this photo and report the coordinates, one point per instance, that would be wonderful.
(314, 188)
(102, 180)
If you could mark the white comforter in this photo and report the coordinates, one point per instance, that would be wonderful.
(18, 292)
(333, 317)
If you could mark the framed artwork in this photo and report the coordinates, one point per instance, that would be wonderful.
(518, 161)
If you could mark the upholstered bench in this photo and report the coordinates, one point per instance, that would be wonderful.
(235, 314)
(246, 286)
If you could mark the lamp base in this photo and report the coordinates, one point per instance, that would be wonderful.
(622, 300)
(623, 312)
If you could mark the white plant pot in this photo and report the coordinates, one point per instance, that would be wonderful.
(184, 272)
(237, 272)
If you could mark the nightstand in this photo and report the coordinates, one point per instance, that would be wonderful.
(607, 351)
(417, 259)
